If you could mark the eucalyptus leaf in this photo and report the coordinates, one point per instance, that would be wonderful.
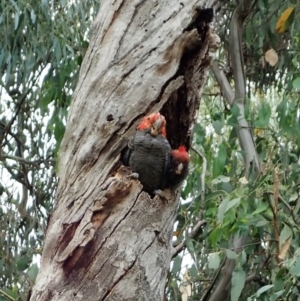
(264, 289)
(238, 282)
(23, 263)
(231, 254)
(296, 83)
(214, 261)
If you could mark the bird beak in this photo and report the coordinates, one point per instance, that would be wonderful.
(179, 169)
(156, 127)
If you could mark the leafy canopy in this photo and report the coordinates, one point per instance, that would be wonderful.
(42, 46)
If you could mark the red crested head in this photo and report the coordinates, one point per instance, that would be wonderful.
(154, 122)
(181, 154)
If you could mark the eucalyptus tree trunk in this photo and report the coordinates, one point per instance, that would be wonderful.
(106, 238)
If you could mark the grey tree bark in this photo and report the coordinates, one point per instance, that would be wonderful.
(106, 238)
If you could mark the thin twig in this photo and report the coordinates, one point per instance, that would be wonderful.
(27, 162)
(8, 297)
(202, 177)
(286, 204)
(276, 227)
(19, 105)
(253, 276)
(176, 250)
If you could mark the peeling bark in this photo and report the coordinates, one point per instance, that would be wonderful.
(106, 238)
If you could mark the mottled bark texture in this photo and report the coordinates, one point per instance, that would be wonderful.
(106, 238)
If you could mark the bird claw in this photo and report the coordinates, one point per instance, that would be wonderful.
(161, 194)
(134, 176)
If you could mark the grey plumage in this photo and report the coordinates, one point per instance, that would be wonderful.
(148, 156)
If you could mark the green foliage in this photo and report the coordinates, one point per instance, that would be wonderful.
(213, 261)
(260, 35)
(238, 282)
(296, 83)
(263, 115)
(42, 46)
(233, 205)
(268, 267)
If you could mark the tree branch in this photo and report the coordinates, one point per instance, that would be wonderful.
(253, 276)
(244, 133)
(286, 204)
(223, 83)
(239, 98)
(176, 250)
